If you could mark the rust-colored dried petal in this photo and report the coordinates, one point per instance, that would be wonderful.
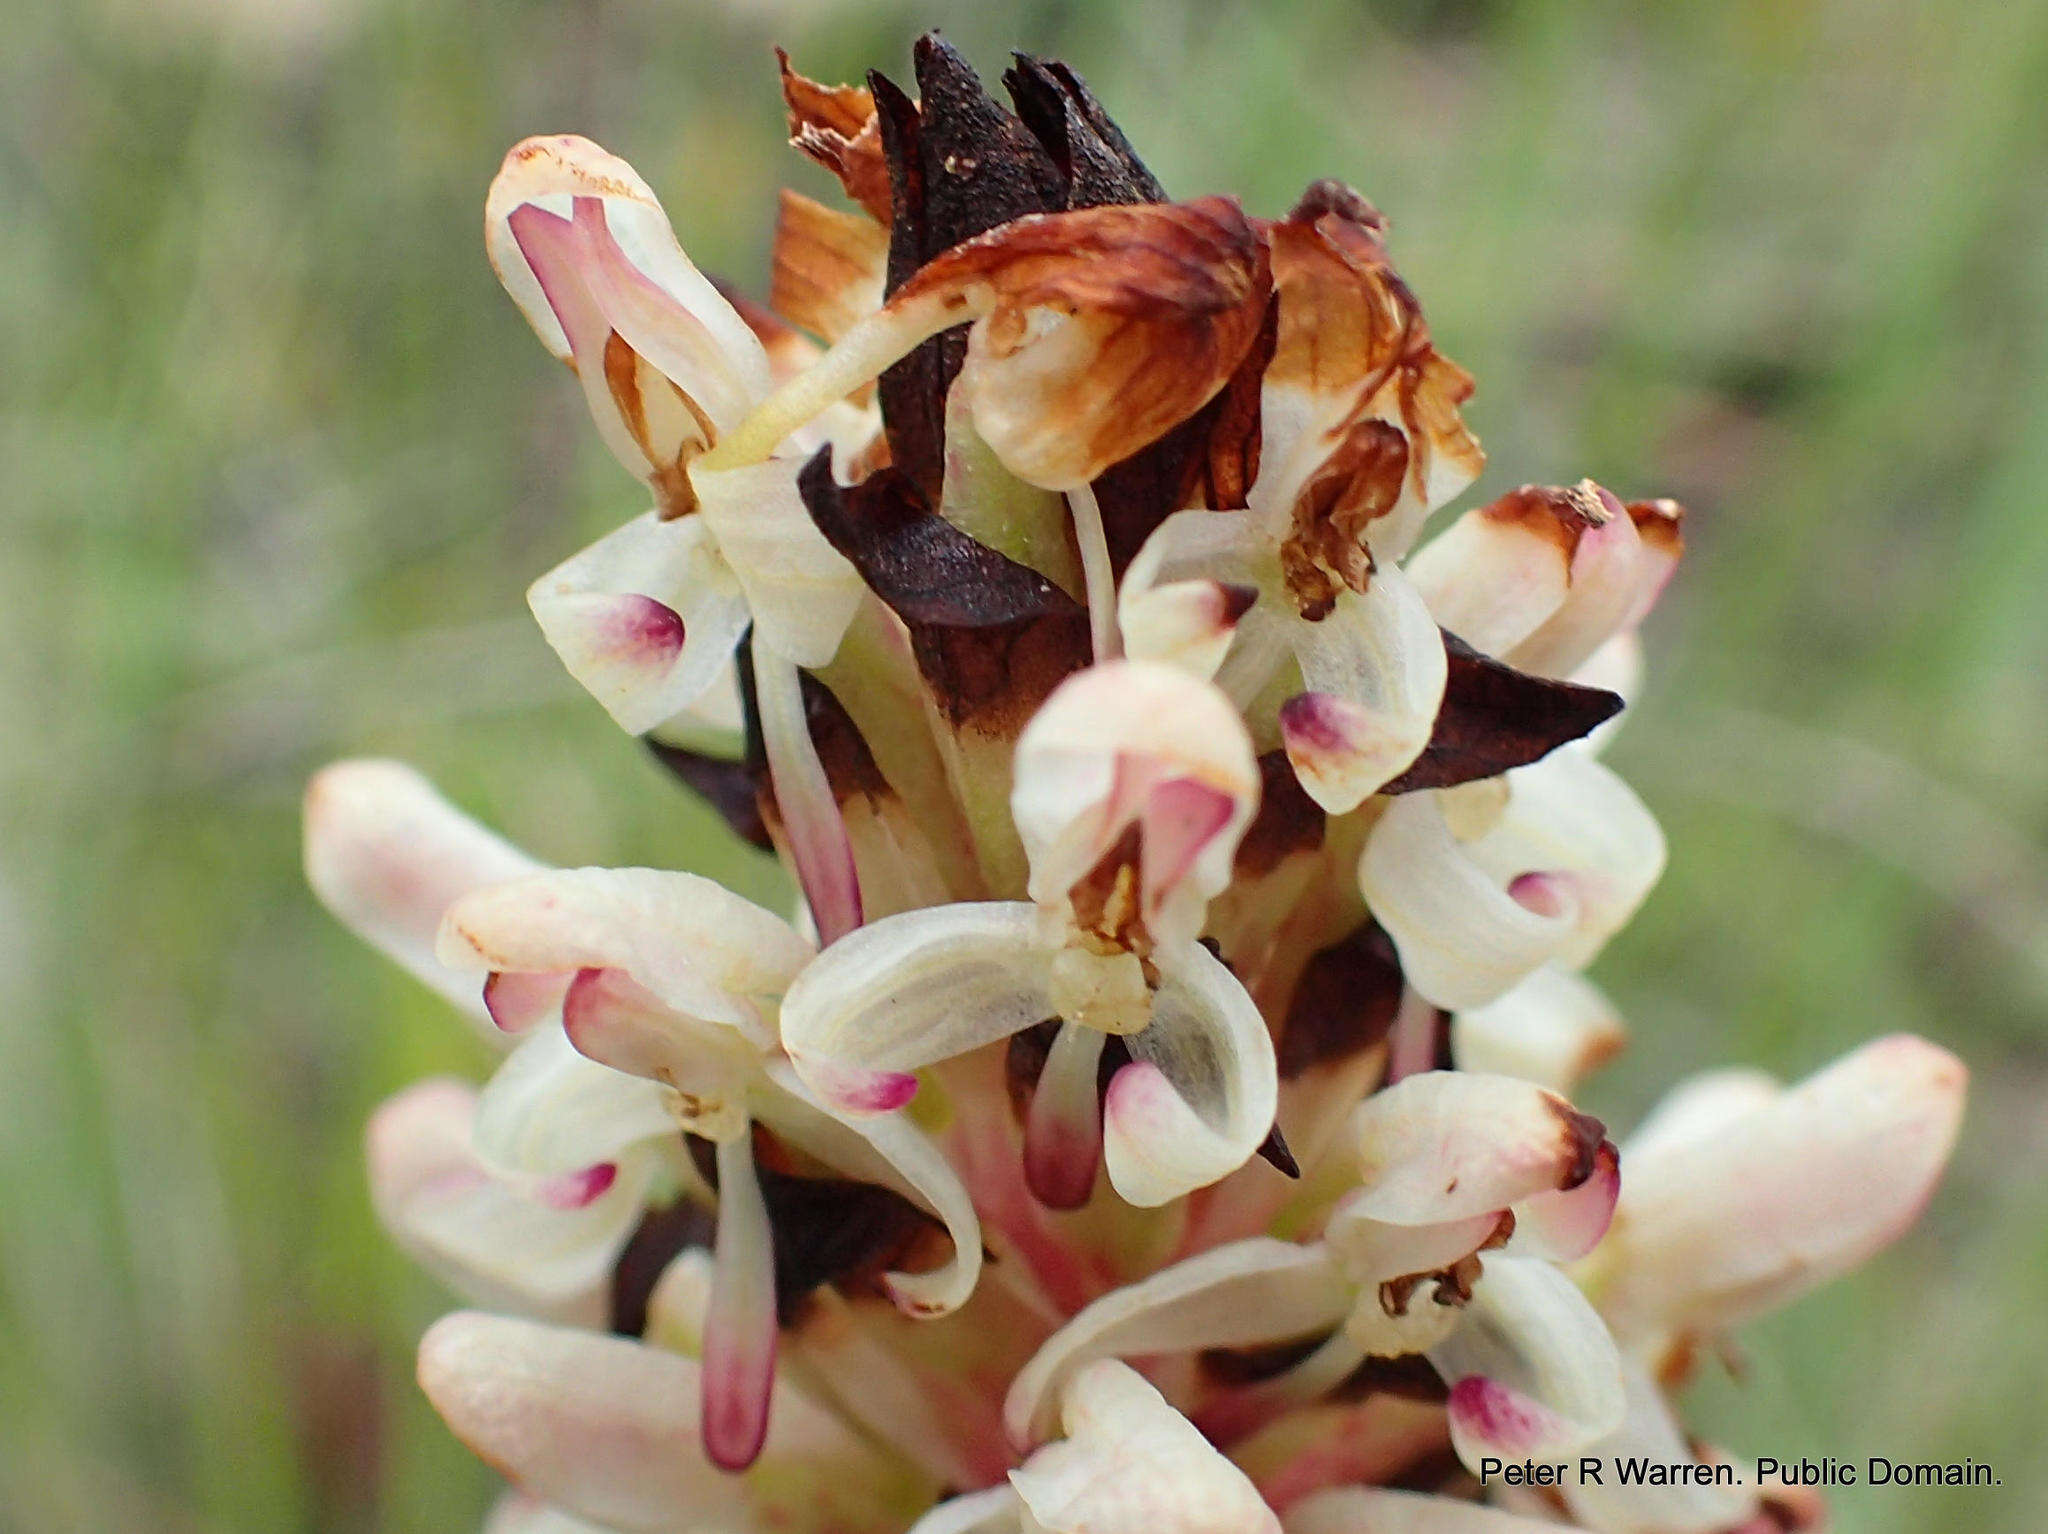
(1171, 295)
(1346, 318)
(991, 636)
(1352, 335)
(1660, 523)
(1562, 514)
(1494, 717)
(835, 125)
(1210, 459)
(828, 266)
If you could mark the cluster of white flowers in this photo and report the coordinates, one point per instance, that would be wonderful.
(1196, 885)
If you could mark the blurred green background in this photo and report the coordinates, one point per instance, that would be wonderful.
(280, 461)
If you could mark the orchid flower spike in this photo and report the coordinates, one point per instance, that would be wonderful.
(1134, 785)
(1157, 796)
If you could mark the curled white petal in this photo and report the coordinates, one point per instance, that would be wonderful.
(490, 1239)
(1374, 671)
(697, 946)
(549, 1112)
(900, 993)
(892, 1152)
(1551, 875)
(646, 619)
(1533, 1372)
(1202, 1089)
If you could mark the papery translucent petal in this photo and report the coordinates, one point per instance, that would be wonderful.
(800, 590)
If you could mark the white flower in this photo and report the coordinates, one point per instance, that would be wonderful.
(1124, 751)
(670, 979)
(1449, 1162)
(648, 618)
